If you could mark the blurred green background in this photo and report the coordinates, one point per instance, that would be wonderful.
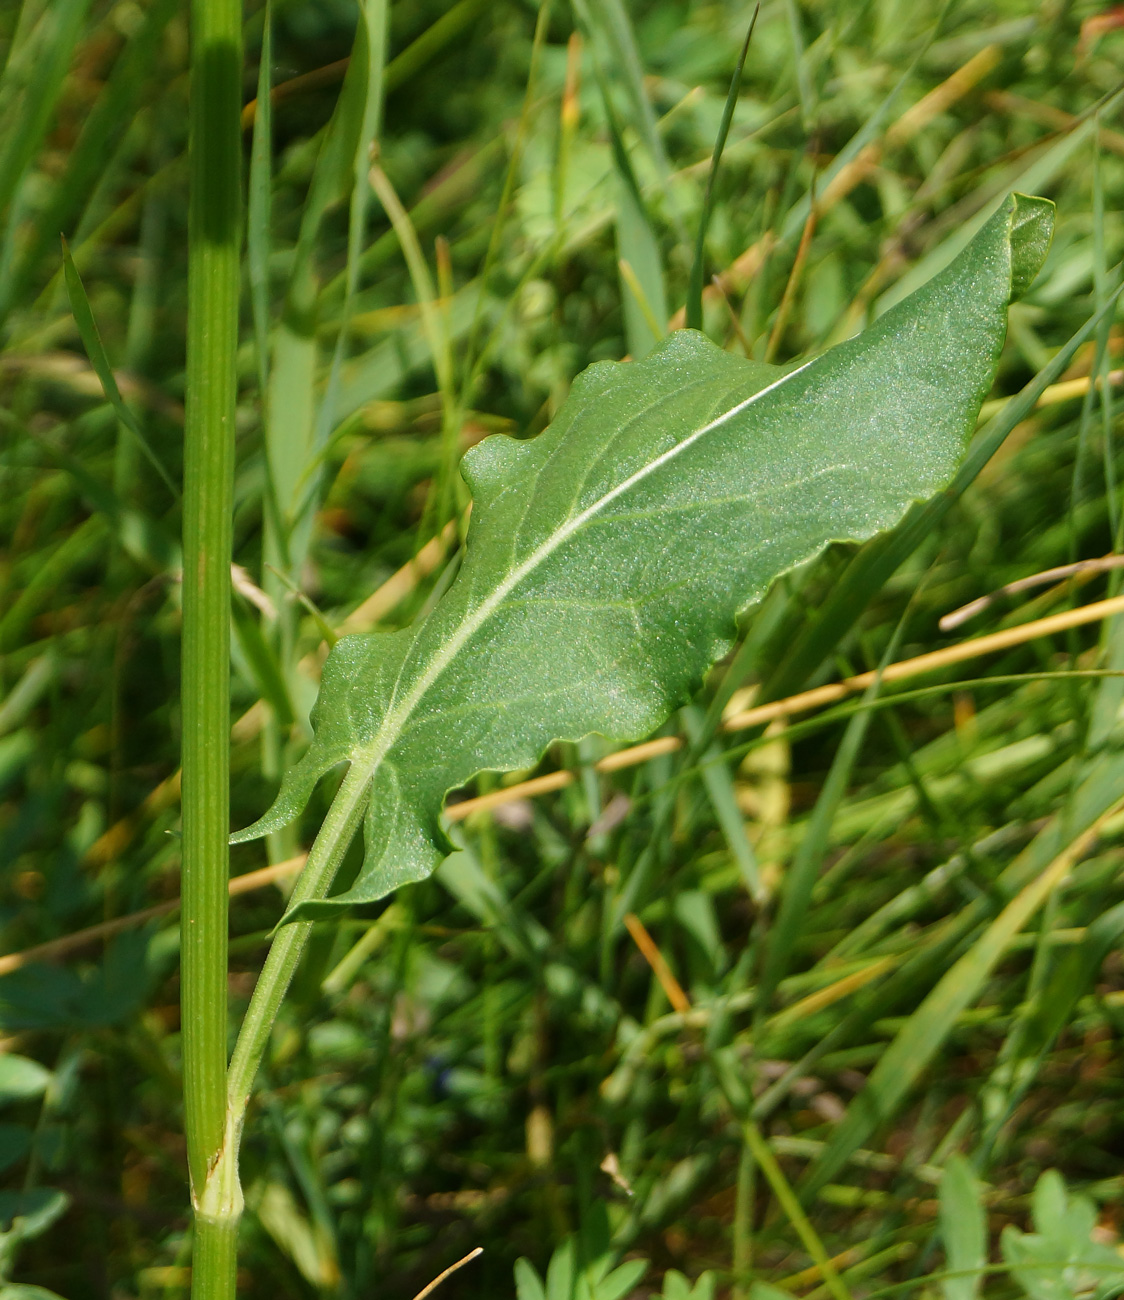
(489, 1059)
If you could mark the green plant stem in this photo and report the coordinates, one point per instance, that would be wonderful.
(743, 1223)
(212, 338)
(219, 1208)
(214, 1254)
(324, 859)
(786, 1198)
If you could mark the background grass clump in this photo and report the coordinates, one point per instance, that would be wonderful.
(489, 1059)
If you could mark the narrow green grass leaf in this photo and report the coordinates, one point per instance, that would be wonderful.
(293, 432)
(608, 558)
(435, 205)
(433, 320)
(635, 289)
(1100, 371)
(963, 1224)
(803, 871)
(323, 627)
(927, 1029)
(25, 695)
(695, 283)
(1036, 175)
(432, 41)
(52, 571)
(40, 75)
(141, 536)
(1071, 979)
(95, 350)
(464, 878)
(637, 245)
(804, 84)
(870, 130)
(167, 181)
(268, 676)
(373, 16)
(793, 1210)
(473, 361)
(608, 28)
(719, 785)
(115, 107)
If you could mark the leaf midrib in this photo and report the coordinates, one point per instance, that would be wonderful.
(372, 754)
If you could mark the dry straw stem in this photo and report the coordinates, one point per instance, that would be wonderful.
(75, 373)
(393, 591)
(116, 839)
(826, 997)
(317, 79)
(1057, 119)
(429, 1290)
(806, 1276)
(912, 121)
(636, 754)
(738, 276)
(433, 39)
(807, 700)
(80, 938)
(656, 960)
(1082, 568)
(399, 585)
(1064, 391)
(780, 324)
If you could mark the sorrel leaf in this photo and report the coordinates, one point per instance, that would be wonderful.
(608, 557)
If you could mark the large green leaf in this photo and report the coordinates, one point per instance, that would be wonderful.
(608, 558)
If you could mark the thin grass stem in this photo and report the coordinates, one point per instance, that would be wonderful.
(695, 284)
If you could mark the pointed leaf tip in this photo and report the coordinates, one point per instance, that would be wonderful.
(608, 558)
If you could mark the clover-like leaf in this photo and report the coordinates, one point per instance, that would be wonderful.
(608, 558)
(1061, 1260)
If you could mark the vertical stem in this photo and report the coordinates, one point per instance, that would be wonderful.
(220, 1204)
(743, 1223)
(212, 337)
(786, 1198)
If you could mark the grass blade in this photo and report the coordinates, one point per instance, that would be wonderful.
(800, 878)
(373, 18)
(45, 61)
(793, 1210)
(919, 1041)
(800, 62)
(695, 284)
(719, 786)
(963, 1230)
(873, 566)
(637, 245)
(1036, 176)
(95, 350)
(115, 107)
